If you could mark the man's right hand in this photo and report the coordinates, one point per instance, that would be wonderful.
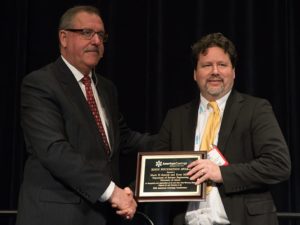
(123, 201)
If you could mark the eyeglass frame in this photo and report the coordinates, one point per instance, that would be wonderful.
(91, 33)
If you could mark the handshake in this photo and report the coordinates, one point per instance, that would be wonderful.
(122, 200)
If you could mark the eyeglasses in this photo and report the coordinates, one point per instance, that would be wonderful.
(89, 34)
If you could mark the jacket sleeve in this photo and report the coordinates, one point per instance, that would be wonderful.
(133, 141)
(258, 150)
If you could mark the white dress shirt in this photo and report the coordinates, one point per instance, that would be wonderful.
(78, 76)
(211, 211)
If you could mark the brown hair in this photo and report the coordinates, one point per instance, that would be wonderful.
(214, 40)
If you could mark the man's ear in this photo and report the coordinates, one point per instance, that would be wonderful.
(62, 38)
(233, 73)
(195, 75)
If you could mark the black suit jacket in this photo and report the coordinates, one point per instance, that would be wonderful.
(67, 169)
(251, 141)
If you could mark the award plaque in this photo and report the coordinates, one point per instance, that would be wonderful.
(161, 177)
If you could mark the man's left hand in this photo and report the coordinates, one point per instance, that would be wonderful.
(204, 169)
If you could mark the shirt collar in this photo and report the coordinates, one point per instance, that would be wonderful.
(77, 74)
(221, 102)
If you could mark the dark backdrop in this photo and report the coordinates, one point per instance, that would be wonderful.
(148, 58)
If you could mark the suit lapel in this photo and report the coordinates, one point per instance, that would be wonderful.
(189, 125)
(74, 93)
(230, 115)
(104, 98)
(71, 87)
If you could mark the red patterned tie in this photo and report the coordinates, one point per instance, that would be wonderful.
(86, 80)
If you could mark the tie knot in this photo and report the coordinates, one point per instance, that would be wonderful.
(86, 80)
(214, 106)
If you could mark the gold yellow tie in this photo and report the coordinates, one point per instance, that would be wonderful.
(211, 128)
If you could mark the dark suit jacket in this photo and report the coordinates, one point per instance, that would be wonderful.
(67, 169)
(251, 141)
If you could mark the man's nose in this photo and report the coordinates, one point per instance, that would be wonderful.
(96, 39)
(215, 69)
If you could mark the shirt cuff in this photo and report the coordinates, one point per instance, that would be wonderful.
(108, 192)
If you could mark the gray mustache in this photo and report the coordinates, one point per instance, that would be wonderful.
(92, 50)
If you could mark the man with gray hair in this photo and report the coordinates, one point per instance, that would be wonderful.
(74, 134)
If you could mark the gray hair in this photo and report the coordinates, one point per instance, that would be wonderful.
(66, 20)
